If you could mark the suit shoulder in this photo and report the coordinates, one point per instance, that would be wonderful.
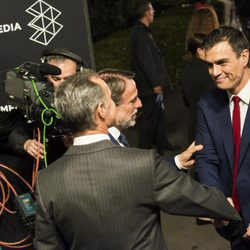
(213, 101)
(137, 152)
(44, 173)
(214, 96)
(137, 156)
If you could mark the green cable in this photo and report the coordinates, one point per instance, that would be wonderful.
(45, 123)
(44, 146)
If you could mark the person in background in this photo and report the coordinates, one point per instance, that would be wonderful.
(202, 21)
(195, 79)
(152, 81)
(200, 4)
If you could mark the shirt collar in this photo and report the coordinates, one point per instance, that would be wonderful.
(88, 139)
(243, 94)
(114, 132)
(144, 26)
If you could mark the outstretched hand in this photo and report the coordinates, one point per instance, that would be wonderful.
(186, 158)
(246, 236)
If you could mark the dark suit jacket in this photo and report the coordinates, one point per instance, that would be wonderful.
(103, 196)
(215, 162)
(195, 81)
(147, 61)
(169, 159)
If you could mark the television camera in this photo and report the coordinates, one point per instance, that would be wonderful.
(28, 90)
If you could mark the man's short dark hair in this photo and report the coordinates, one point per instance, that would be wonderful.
(233, 36)
(141, 7)
(195, 42)
(115, 79)
(120, 72)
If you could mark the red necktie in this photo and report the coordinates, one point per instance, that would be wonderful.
(236, 136)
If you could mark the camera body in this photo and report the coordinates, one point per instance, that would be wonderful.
(28, 90)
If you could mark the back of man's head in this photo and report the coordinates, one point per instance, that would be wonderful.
(76, 100)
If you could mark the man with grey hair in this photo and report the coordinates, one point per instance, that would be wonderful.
(125, 96)
(103, 196)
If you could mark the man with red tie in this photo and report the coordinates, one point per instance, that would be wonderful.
(223, 127)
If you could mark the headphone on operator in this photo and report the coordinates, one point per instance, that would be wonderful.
(65, 53)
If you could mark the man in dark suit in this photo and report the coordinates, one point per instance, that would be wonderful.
(152, 81)
(103, 196)
(125, 96)
(224, 126)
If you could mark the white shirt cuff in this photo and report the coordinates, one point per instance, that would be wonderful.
(178, 164)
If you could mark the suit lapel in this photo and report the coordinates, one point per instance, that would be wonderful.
(245, 138)
(226, 129)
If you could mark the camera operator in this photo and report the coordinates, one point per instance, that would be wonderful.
(14, 132)
(69, 63)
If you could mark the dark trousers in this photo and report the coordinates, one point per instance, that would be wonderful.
(151, 124)
(234, 233)
(240, 244)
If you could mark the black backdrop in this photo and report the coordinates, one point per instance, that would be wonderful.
(63, 24)
(243, 11)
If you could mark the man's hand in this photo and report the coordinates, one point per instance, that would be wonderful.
(223, 223)
(185, 158)
(246, 236)
(230, 200)
(220, 223)
(157, 90)
(34, 148)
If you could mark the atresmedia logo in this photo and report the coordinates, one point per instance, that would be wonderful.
(44, 22)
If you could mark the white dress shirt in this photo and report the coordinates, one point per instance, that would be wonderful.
(115, 132)
(88, 139)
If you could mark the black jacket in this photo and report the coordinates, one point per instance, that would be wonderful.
(195, 81)
(147, 61)
(14, 130)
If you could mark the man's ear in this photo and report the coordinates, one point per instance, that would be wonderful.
(245, 56)
(201, 53)
(101, 111)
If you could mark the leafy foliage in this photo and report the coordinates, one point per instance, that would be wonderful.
(169, 32)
